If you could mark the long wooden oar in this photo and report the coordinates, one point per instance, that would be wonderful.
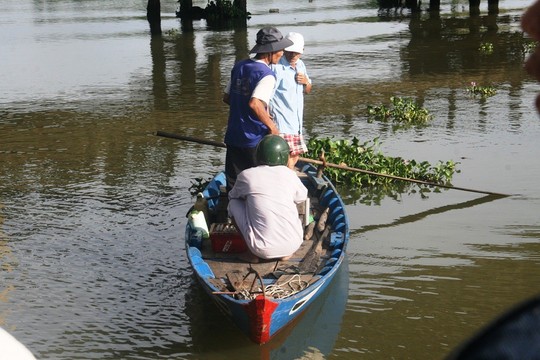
(342, 167)
(191, 139)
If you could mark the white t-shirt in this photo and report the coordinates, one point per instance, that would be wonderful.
(264, 90)
(263, 205)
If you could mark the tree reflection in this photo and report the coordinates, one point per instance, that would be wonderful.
(444, 45)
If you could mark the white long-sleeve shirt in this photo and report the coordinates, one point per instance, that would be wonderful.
(263, 205)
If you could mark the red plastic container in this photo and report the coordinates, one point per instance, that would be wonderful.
(225, 238)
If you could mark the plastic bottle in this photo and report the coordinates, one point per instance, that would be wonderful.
(201, 204)
(198, 222)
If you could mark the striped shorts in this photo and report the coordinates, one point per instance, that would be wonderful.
(296, 143)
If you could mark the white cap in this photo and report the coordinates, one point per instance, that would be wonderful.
(298, 42)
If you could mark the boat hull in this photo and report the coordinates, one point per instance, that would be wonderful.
(263, 316)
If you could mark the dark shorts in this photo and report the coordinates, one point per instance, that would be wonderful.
(296, 143)
(236, 160)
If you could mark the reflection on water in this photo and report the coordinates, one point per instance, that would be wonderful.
(92, 205)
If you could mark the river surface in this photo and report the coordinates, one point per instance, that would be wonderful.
(92, 204)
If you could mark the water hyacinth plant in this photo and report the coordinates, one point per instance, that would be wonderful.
(482, 91)
(402, 111)
(529, 47)
(486, 48)
(367, 156)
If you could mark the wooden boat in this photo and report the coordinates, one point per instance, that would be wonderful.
(263, 298)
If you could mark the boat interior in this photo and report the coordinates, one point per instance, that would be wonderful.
(324, 224)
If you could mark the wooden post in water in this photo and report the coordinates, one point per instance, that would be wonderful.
(414, 5)
(474, 7)
(153, 15)
(434, 5)
(241, 5)
(493, 7)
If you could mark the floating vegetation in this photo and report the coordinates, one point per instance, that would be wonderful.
(402, 111)
(486, 48)
(482, 91)
(172, 32)
(367, 156)
(529, 47)
(223, 10)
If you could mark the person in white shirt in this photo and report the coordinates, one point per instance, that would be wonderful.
(262, 203)
(11, 348)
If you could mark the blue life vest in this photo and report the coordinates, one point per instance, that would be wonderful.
(244, 128)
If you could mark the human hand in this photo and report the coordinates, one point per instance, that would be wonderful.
(302, 79)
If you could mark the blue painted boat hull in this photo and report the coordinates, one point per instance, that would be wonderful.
(262, 317)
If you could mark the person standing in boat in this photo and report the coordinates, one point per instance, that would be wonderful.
(263, 210)
(248, 94)
(287, 104)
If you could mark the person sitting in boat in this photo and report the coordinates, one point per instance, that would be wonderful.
(262, 203)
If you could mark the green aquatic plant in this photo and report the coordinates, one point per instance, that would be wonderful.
(482, 91)
(367, 156)
(172, 32)
(224, 9)
(401, 110)
(529, 47)
(486, 48)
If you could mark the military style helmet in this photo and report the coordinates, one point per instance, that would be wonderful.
(272, 150)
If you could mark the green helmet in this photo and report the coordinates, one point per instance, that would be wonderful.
(272, 150)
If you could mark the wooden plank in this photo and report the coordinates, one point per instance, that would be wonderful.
(318, 183)
(321, 223)
(310, 263)
(218, 284)
(240, 282)
(308, 232)
(235, 279)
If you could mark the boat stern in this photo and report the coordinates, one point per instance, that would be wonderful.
(260, 311)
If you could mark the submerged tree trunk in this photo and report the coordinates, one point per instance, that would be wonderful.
(474, 7)
(153, 14)
(493, 7)
(240, 5)
(434, 5)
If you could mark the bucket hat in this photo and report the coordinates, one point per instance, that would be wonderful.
(298, 42)
(269, 40)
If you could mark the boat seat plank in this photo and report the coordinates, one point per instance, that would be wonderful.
(310, 263)
(218, 284)
(319, 183)
(241, 282)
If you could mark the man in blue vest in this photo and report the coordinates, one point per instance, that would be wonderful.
(248, 94)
